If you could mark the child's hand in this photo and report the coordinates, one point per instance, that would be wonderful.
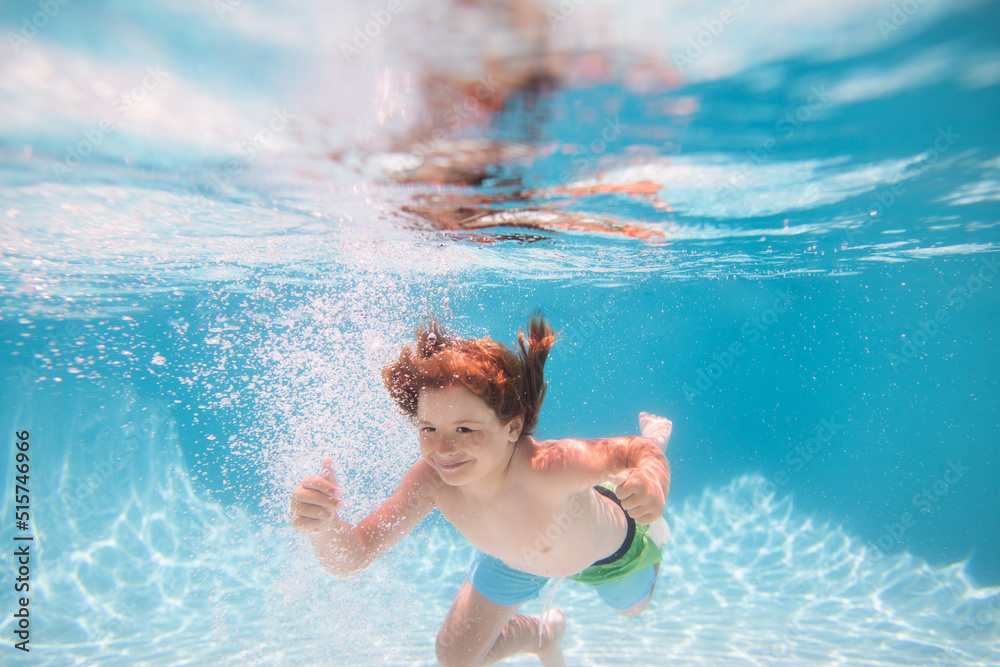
(640, 493)
(316, 501)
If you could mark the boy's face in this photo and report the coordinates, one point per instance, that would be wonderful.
(461, 437)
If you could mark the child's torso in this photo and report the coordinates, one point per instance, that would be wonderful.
(535, 529)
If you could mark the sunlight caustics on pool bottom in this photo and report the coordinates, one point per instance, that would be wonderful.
(147, 570)
(213, 232)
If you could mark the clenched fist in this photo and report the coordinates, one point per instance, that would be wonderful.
(316, 501)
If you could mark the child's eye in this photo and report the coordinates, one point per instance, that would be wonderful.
(464, 429)
(427, 429)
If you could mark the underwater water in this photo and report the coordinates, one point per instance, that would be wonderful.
(776, 225)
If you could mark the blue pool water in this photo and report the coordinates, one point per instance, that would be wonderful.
(205, 259)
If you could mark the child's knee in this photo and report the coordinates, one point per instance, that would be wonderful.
(444, 653)
(449, 649)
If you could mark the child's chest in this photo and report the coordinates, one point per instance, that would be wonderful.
(529, 530)
(500, 521)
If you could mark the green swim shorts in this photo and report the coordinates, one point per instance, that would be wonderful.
(632, 557)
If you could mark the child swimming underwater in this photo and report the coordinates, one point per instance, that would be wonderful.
(534, 509)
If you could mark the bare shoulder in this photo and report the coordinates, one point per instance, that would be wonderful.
(420, 484)
(575, 463)
(576, 451)
(554, 453)
(422, 472)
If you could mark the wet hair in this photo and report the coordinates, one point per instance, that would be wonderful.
(510, 383)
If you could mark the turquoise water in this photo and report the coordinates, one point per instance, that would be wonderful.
(205, 261)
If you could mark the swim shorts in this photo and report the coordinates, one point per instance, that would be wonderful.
(623, 579)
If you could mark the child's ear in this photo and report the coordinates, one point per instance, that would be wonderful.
(515, 425)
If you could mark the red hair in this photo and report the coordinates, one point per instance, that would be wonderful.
(512, 385)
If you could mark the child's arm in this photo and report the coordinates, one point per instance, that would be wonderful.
(636, 465)
(644, 485)
(342, 548)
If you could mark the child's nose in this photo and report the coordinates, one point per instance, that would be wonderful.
(447, 446)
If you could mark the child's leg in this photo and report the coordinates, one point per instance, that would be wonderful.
(477, 631)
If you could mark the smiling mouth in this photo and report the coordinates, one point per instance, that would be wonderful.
(452, 466)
